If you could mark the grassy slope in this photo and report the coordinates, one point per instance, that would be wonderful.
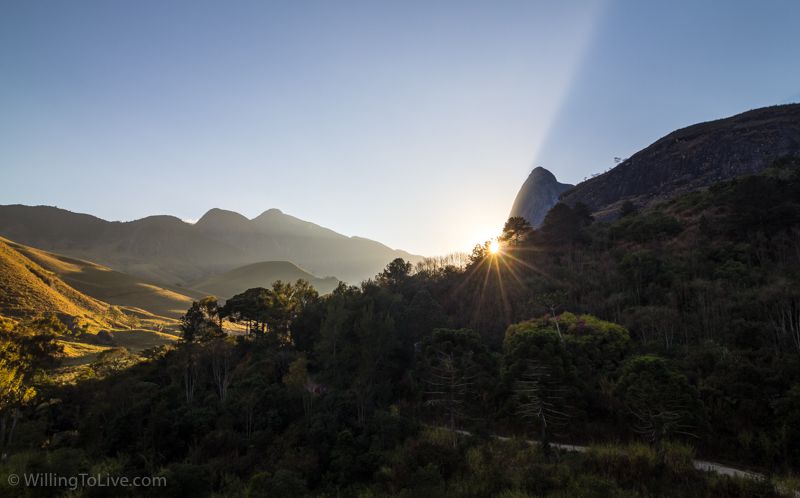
(111, 286)
(29, 290)
(263, 274)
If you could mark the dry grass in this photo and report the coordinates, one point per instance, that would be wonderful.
(110, 286)
(80, 353)
(137, 341)
(29, 290)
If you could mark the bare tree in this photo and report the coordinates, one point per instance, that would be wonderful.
(540, 399)
(448, 388)
(656, 422)
(221, 368)
(249, 403)
(784, 316)
(551, 301)
(189, 376)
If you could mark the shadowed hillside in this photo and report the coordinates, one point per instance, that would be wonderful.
(169, 251)
(692, 158)
(263, 274)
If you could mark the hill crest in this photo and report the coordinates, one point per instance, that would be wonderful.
(261, 274)
(692, 158)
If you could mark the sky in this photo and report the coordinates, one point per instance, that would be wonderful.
(413, 123)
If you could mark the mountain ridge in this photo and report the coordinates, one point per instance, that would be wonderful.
(165, 249)
(692, 158)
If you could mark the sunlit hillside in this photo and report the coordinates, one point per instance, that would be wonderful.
(30, 290)
(111, 286)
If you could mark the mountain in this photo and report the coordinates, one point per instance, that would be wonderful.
(111, 286)
(28, 290)
(276, 236)
(538, 194)
(693, 158)
(262, 274)
(168, 251)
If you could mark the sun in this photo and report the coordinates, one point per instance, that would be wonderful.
(494, 247)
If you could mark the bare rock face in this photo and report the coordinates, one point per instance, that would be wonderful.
(693, 158)
(538, 194)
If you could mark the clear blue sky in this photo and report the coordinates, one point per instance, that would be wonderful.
(413, 123)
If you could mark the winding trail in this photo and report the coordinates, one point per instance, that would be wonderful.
(703, 465)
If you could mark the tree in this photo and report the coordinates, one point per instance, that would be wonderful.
(628, 208)
(285, 302)
(540, 399)
(248, 306)
(552, 301)
(516, 230)
(271, 310)
(27, 350)
(788, 415)
(472, 360)
(298, 381)
(14, 392)
(376, 356)
(565, 225)
(38, 343)
(447, 388)
(221, 352)
(660, 402)
(395, 273)
(202, 321)
(541, 374)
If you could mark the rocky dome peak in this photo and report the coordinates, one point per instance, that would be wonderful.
(538, 194)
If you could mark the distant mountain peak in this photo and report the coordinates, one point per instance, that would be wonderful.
(269, 213)
(216, 218)
(167, 250)
(538, 194)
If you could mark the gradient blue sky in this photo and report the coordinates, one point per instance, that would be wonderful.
(412, 123)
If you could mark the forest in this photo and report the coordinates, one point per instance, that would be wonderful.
(670, 334)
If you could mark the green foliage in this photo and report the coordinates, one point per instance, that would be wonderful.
(283, 484)
(516, 230)
(271, 310)
(660, 401)
(395, 274)
(565, 224)
(645, 227)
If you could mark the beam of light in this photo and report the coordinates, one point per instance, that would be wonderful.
(577, 51)
(503, 297)
(557, 90)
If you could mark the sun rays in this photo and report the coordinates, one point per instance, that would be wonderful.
(499, 270)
